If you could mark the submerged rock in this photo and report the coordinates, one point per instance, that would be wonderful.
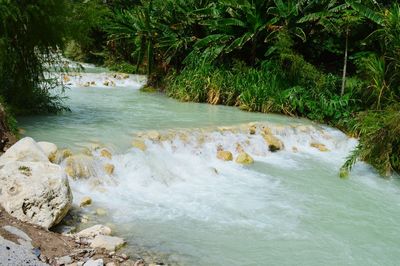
(110, 243)
(139, 144)
(35, 192)
(225, 155)
(244, 158)
(319, 146)
(109, 168)
(85, 201)
(101, 212)
(106, 154)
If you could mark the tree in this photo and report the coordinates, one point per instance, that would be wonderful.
(30, 34)
(336, 18)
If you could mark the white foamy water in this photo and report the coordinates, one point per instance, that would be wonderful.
(177, 198)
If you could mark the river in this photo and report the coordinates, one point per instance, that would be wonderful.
(178, 199)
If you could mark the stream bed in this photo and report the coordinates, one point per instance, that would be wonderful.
(177, 199)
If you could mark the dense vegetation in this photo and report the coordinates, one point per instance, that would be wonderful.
(333, 61)
(30, 32)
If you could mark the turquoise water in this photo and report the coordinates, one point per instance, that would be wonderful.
(177, 198)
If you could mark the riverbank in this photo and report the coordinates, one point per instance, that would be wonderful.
(28, 244)
(35, 197)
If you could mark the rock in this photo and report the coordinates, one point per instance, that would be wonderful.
(25, 150)
(239, 148)
(92, 262)
(18, 232)
(244, 158)
(94, 231)
(111, 264)
(106, 154)
(101, 212)
(110, 243)
(66, 153)
(153, 135)
(225, 155)
(64, 260)
(295, 149)
(319, 146)
(93, 83)
(84, 219)
(140, 262)
(85, 201)
(139, 144)
(80, 166)
(50, 149)
(109, 168)
(106, 83)
(13, 254)
(35, 192)
(274, 144)
(66, 78)
(252, 129)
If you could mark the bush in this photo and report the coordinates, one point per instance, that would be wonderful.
(379, 143)
(268, 88)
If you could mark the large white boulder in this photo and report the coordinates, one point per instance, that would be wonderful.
(38, 191)
(25, 150)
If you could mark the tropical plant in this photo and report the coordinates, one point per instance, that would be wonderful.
(30, 34)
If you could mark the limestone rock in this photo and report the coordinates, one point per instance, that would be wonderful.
(80, 166)
(92, 262)
(319, 146)
(154, 135)
(139, 144)
(35, 192)
(106, 154)
(25, 150)
(66, 153)
(64, 260)
(225, 155)
(244, 158)
(109, 168)
(274, 144)
(110, 243)
(85, 201)
(252, 129)
(50, 149)
(94, 231)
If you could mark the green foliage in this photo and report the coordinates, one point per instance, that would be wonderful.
(30, 33)
(379, 140)
(265, 89)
